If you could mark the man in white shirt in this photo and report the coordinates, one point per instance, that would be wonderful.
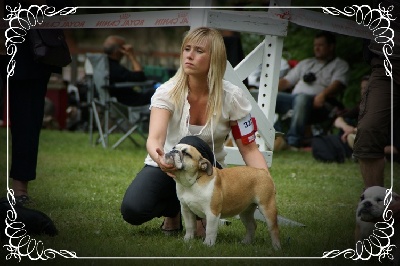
(316, 82)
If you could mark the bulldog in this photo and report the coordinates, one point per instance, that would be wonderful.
(212, 193)
(370, 210)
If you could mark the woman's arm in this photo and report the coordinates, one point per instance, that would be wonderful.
(250, 153)
(347, 129)
(159, 119)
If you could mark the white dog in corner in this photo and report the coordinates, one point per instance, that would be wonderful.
(371, 209)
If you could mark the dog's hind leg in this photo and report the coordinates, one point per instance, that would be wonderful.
(271, 216)
(247, 218)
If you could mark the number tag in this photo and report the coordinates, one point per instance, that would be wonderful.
(247, 129)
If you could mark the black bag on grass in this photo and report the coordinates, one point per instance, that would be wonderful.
(330, 148)
(36, 222)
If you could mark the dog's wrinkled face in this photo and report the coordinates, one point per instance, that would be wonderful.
(188, 162)
(372, 203)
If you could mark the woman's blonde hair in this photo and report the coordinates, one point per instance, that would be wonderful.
(216, 71)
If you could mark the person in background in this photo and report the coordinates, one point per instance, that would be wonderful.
(49, 121)
(374, 122)
(347, 121)
(73, 109)
(27, 90)
(196, 107)
(233, 44)
(317, 82)
(116, 48)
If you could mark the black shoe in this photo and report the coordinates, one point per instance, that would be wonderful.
(23, 200)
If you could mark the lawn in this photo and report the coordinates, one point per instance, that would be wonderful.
(81, 186)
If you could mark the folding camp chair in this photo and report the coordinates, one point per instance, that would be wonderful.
(104, 108)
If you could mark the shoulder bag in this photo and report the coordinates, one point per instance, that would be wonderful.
(49, 47)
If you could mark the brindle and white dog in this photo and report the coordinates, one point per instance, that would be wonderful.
(212, 193)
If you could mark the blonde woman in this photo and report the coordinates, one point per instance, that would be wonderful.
(196, 107)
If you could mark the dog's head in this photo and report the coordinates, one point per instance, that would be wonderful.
(372, 204)
(189, 162)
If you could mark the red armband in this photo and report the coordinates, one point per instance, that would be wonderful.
(245, 129)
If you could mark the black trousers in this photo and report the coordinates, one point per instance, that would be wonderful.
(153, 193)
(26, 102)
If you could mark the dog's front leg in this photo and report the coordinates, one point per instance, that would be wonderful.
(211, 229)
(190, 222)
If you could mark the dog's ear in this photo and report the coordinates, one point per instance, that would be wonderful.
(206, 166)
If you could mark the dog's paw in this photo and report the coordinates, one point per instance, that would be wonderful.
(208, 241)
(187, 237)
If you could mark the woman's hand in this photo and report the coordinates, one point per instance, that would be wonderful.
(347, 130)
(167, 168)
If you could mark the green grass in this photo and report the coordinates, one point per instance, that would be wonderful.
(81, 187)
